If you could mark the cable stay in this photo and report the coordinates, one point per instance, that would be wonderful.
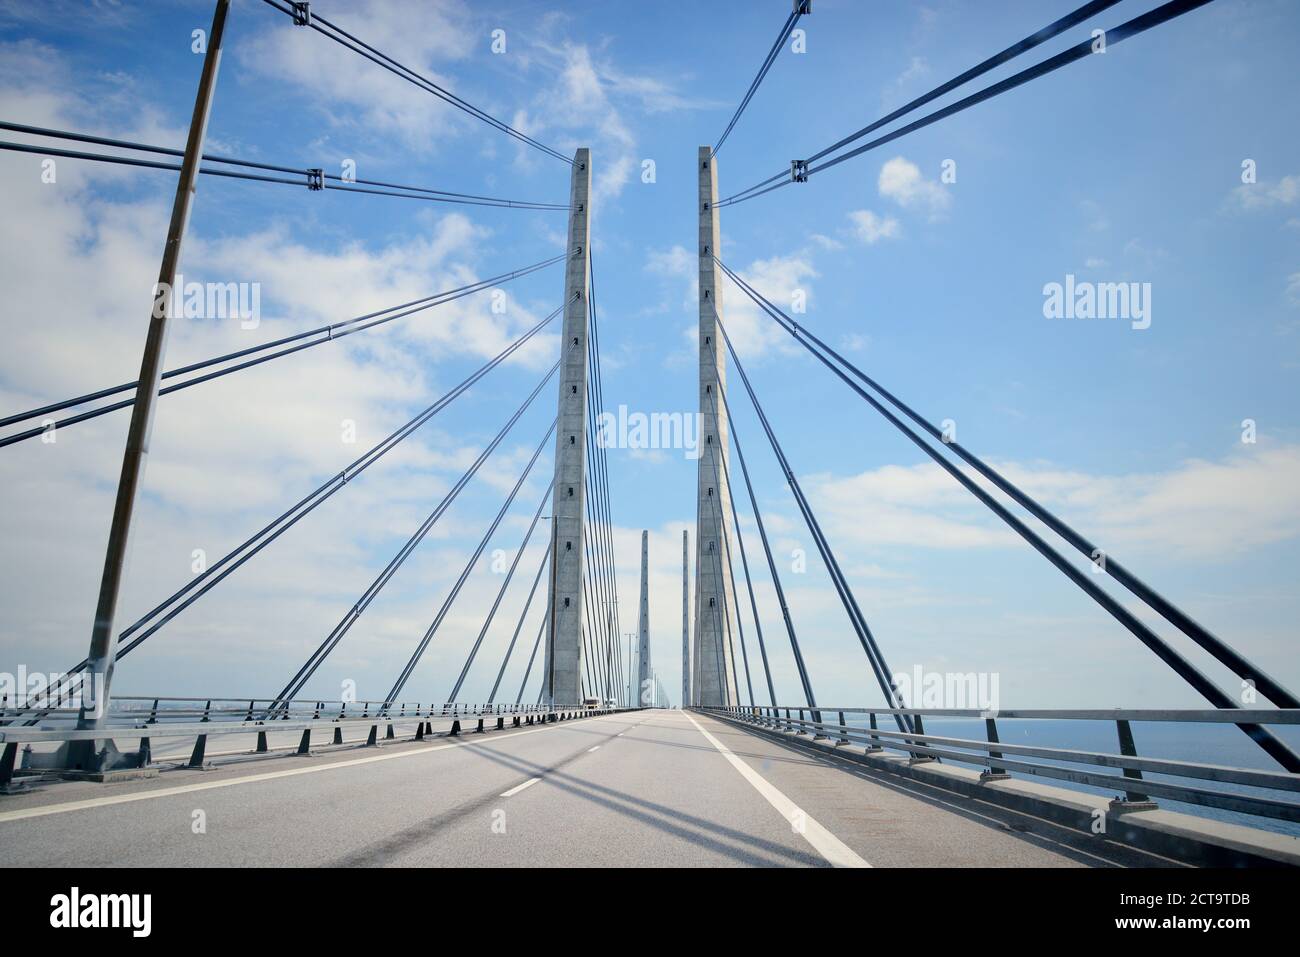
(771, 566)
(1224, 653)
(218, 571)
(801, 170)
(744, 561)
(275, 349)
(875, 657)
(313, 179)
(1184, 668)
(531, 658)
(501, 593)
(303, 17)
(799, 9)
(317, 657)
(505, 660)
(717, 564)
(409, 668)
(599, 463)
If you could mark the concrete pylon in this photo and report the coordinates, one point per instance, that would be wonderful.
(644, 671)
(714, 601)
(686, 620)
(564, 650)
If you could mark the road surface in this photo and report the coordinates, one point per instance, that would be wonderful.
(644, 788)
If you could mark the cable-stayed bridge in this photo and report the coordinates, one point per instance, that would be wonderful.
(584, 761)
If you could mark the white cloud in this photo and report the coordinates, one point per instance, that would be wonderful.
(901, 180)
(1198, 509)
(77, 269)
(1265, 195)
(358, 97)
(870, 228)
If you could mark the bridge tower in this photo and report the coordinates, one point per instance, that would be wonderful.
(644, 671)
(715, 606)
(564, 651)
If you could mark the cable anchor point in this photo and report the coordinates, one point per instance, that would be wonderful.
(798, 171)
(315, 179)
(302, 13)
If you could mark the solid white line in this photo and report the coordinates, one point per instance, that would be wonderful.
(596, 748)
(47, 809)
(836, 852)
(519, 787)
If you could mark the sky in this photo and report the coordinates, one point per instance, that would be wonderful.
(1126, 167)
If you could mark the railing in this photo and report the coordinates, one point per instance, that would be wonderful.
(130, 708)
(998, 759)
(180, 717)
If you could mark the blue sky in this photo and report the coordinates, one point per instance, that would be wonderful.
(1122, 168)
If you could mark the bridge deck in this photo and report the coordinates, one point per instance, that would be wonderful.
(645, 788)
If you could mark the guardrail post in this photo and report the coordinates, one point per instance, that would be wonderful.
(501, 723)
(389, 735)
(338, 734)
(994, 773)
(304, 745)
(372, 739)
(920, 729)
(261, 742)
(153, 715)
(196, 756)
(875, 741)
(1133, 800)
(7, 762)
(802, 729)
(842, 740)
(455, 729)
(206, 709)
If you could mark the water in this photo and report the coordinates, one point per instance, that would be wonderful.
(1222, 744)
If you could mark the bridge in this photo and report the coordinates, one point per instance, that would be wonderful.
(579, 755)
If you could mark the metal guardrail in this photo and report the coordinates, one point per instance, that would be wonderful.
(164, 717)
(127, 707)
(998, 758)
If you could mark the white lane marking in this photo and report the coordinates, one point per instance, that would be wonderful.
(836, 852)
(596, 748)
(31, 812)
(519, 787)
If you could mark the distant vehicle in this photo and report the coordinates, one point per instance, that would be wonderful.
(591, 703)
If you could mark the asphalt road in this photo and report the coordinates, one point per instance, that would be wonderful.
(647, 788)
